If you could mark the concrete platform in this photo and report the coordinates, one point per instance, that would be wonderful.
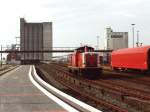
(18, 94)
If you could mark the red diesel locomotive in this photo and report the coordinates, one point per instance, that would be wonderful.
(84, 61)
(131, 58)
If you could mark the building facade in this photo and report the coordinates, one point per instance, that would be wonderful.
(116, 40)
(35, 37)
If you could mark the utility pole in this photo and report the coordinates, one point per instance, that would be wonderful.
(97, 42)
(133, 33)
(137, 43)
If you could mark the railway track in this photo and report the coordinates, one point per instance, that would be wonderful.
(123, 91)
(123, 77)
(78, 84)
(107, 105)
(131, 77)
(127, 91)
(138, 77)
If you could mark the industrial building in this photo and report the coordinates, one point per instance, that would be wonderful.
(116, 40)
(13, 57)
(35, 37)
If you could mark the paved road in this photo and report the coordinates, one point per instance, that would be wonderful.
(18, 94)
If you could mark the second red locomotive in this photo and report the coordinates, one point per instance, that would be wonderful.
(84, 61)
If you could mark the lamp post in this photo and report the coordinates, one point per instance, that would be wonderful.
(133, 33)
(137, 43)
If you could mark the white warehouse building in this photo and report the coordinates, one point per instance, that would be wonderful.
(116, 40)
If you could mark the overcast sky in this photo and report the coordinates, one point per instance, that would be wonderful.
(76, 21)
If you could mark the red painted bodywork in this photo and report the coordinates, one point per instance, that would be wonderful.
(80, 60)
(91, 59)
(85, 62)
(86, 58)
(132, 58)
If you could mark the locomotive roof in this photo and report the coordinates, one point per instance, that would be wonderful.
(82, 48)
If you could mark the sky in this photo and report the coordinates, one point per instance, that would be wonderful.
(77, 22)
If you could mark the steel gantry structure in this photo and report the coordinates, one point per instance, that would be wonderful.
(54, 50)
(17, 53)
(46, 51)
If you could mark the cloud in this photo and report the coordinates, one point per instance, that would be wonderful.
(80, 19)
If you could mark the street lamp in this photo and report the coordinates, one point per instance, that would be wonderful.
(137, 43)
(133, 33)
